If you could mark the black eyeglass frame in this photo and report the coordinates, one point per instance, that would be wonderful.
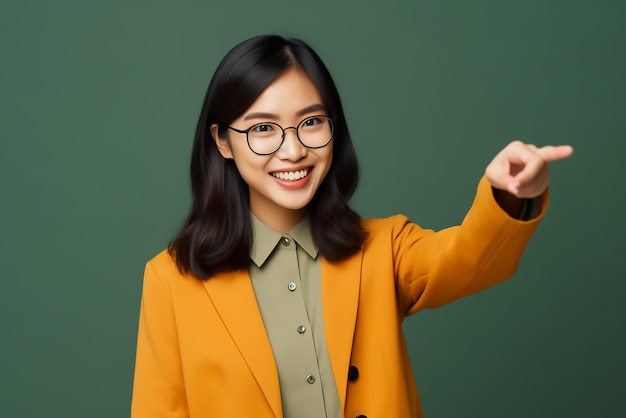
(245, 131)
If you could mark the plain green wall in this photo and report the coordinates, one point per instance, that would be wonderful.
(98, 107)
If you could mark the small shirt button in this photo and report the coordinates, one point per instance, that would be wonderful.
(301, 329)
(285, 241)
(310, 378)
(292, 286)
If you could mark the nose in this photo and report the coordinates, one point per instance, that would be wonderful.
(291, 149)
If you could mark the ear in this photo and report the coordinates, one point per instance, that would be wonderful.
(222, 144)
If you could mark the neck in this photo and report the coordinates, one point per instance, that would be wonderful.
(283, 221)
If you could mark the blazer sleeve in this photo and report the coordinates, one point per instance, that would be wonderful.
(436, 268)
(158, 389)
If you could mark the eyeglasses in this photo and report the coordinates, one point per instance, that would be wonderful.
(266, 138)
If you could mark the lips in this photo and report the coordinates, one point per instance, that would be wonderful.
(291, 175)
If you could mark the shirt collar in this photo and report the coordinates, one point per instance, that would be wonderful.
(266, 239)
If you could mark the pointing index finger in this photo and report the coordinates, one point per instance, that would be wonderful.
(554, 153)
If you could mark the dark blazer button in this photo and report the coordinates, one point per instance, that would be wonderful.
(353, 374)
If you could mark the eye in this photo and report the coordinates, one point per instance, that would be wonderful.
(312, 121)
(262, 128)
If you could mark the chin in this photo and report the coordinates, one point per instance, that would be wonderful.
(295, 202)
(298, 206)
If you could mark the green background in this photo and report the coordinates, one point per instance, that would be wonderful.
(99, 102)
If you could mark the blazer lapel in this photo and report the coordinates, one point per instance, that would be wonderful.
(233, 297)
(341, 284)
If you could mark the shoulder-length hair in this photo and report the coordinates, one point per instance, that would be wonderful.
(217, 234)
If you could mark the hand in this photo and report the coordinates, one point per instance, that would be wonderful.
(522, 169)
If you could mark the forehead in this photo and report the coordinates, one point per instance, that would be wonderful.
(290, 94)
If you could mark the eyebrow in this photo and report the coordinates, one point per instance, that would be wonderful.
(301, 112)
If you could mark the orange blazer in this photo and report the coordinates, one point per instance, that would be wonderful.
(202, 350)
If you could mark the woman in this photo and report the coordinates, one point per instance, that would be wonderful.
(275, 299)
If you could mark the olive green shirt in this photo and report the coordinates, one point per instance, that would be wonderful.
(286, 277)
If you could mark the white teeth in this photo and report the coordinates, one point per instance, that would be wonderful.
(291, 175)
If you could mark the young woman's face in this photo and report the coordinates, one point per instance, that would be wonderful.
(283, 183)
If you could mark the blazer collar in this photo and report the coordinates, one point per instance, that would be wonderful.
(341, 284)
(233, 297)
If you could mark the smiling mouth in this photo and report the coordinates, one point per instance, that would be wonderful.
(291, 175)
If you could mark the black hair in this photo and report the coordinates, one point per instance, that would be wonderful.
(217, 234)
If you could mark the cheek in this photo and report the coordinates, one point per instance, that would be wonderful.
(323, 167)
(247, 170)
(250, 167)
(327, 158)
